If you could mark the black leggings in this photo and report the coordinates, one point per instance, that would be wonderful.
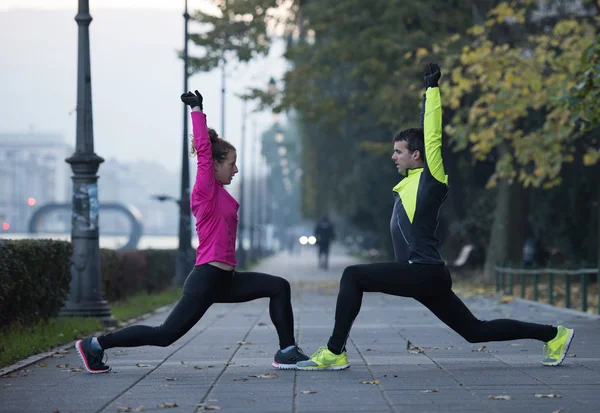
(431, 285)
(204, 286)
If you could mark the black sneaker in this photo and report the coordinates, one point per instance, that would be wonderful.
(289, 359)
(92, 359)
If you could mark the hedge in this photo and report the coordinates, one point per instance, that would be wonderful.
(35, 277)
(127, 272)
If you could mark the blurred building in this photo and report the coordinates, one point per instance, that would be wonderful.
(33, 172)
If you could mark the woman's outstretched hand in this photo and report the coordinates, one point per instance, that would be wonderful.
(192, 99)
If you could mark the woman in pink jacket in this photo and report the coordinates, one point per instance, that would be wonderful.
(213, 279)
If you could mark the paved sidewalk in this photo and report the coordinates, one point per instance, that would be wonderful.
(224, 362)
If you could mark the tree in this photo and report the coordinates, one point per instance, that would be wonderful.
(517, 116)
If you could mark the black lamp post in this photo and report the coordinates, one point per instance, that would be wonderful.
(182, 265)
(241, 261)
(85, 296)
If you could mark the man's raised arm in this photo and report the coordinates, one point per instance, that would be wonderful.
(431, 116)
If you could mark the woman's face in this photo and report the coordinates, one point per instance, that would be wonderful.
(226, 170)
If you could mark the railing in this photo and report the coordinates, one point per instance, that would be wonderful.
(549, 282)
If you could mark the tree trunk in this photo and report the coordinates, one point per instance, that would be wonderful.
(509, 227)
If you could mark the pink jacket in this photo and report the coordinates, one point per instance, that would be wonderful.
(214, 208)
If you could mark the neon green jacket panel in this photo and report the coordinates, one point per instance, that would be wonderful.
(432, 128)
(407, 189)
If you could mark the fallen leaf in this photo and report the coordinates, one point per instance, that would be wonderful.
(170, 378)
(140, 408)
(368, 349)
(244, 342)
(370, 382)
(265, 376)
(63, 352)
(183, 362)
(62, 366)
(548, 396)
(76, 369)
(123, 409)
(167, 405)
(42, 364)
(244, 365)
(142, 365)
(204, 407)
(210, 367)
(482, 348)
(572, 355)
(505, 299)
(164, 385)
(308, 392)
(559, 410)
(240, 379)
(503, 397)
(198, 367)
(430, 391)
(412, 349)
(261, 324)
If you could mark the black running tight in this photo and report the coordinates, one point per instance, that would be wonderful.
(431, 285)
(204, 286)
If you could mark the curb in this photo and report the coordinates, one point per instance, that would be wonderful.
(37, 357)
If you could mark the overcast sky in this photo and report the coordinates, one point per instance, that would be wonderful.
(136, 76)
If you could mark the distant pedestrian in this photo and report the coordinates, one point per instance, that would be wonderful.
(419, 270)
(213, 279)
(325, 234)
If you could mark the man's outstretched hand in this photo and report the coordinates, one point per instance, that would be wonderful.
(432, 75)
(192, 99)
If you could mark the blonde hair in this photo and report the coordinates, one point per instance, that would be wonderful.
(220, 147)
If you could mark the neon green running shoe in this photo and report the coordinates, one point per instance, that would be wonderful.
(555, 350)
(323, 359)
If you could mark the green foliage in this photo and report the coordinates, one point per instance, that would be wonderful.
(356, 78)
(517, 81)
(240, 31)
(583, 98)
(34, 280)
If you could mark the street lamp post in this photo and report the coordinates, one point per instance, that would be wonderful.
(242, 254)
(182, 265)
(223, 75)
(256, 191)
(85, 295)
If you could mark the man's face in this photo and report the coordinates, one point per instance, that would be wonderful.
(403, 158)
(225, 171)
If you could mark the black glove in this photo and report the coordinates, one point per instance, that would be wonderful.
(432, 75)
(192, 100)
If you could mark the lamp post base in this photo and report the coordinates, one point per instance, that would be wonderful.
(95, 309)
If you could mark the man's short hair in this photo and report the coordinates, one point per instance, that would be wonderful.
(415, 140)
